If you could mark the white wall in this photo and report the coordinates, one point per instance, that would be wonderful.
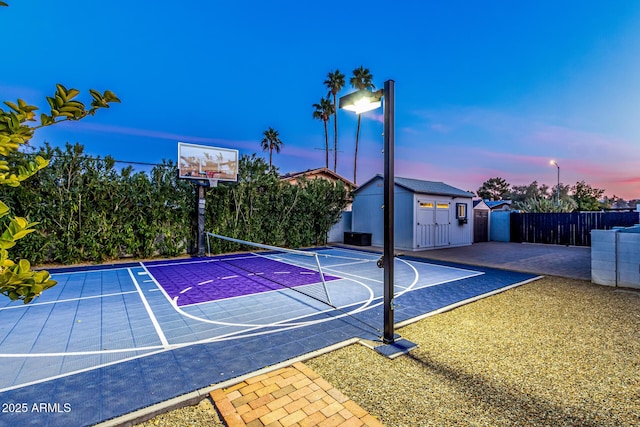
(336, 233)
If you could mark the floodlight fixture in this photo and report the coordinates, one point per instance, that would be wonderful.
(361, 101)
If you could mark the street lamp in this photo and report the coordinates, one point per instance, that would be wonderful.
(553, 162)
(360, 102)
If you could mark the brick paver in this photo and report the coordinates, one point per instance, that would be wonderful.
(294, 395)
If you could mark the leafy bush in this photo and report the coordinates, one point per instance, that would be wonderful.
(91, 212)
(17, 280)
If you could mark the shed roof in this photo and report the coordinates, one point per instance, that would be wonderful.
(424, 187)
(480, 204)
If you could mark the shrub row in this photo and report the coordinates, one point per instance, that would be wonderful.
(91, 211)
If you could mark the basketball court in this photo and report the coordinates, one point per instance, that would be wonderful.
(109, 341)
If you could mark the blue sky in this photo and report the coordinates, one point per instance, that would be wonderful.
(483, 89)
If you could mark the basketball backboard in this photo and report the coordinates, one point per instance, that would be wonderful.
(201, 162)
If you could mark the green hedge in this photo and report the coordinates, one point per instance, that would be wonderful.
(91, 211)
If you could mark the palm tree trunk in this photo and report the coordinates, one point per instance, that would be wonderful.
(326, 145)
(270, 158)
(355, 158)
(335, 133)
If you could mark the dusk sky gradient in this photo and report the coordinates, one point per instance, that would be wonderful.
(483, 89)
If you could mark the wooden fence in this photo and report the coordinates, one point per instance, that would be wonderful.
(566, 228)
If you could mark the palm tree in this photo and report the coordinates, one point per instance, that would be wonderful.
(323, 111)
(362, 79)
(335, 82)
(271, 141)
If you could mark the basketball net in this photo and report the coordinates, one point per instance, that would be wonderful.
(212, 182)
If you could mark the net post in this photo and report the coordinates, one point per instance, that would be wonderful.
(324, 283)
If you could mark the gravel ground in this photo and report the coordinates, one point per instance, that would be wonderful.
(555, 352)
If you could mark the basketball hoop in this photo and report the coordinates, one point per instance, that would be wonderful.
(212, 182)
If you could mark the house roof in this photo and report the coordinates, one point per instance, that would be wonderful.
(425, 187)
(318, 171)
(496, 203)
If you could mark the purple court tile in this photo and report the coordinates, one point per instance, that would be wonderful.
(227, 277)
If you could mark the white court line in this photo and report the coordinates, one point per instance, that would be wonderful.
(66, 300)
(366, 261)
(152, 316)
(201, 261)
(81, 353)
(440, 282)
(54, 273)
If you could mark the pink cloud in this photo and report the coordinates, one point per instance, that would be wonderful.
(122, 130)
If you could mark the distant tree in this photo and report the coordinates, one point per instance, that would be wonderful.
(335, 83)
(564, 193)
(633, 203)
(586, 197)
(323, 111)
(362, 79)
(494, 189)
(520, 193)
(271, 142)
(536, 205)
(614, 202)
(620, 203)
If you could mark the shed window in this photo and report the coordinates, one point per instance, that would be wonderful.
(426, 205)
(443, 206)
(461, 210)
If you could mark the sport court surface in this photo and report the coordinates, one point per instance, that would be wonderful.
(108, 341)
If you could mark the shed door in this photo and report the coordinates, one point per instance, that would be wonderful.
(442, 224)
(432, 224)
(480, 226)
(425, 223)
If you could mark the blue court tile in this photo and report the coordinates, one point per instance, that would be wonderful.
(77, 363)
(154, 376)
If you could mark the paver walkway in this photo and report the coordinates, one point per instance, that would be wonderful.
(291, 396)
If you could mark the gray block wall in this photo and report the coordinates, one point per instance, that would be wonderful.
(615, 257)
(629, 258)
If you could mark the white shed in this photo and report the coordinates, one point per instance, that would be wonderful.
(427, 214)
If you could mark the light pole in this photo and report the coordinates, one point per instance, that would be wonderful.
(553, 162)
(360, 102)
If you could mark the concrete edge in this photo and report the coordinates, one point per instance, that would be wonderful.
(195, 397)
